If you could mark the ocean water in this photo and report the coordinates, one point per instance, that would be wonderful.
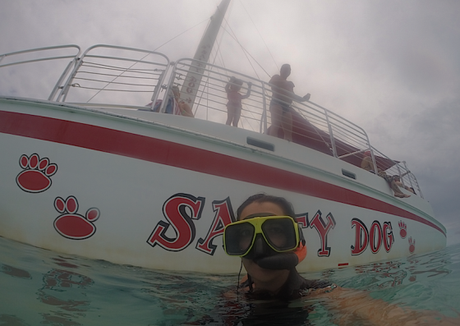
(40, 287)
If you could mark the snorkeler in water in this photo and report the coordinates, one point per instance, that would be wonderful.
(270, 243)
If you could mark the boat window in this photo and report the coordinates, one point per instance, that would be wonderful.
(261, 144)
(348, 174)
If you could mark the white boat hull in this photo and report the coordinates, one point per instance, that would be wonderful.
(143, 193)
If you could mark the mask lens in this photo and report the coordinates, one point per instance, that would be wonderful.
(239, 238)
(280, 233)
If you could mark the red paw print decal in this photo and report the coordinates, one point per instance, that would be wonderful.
(411, 245)
(72, 225)
(402, 229)
(36, 174)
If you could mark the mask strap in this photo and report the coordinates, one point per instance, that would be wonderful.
(250, 283)
(301, 236)
(238, 283)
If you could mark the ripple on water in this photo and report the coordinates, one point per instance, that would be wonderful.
(40, 287)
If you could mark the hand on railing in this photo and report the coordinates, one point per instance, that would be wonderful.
(306, 97)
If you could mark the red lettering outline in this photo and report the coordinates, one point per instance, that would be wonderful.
(223, 216)
(175, 211)
(361, 237)
(323, 229)
(388, 236)
(302, 219)
(375, 247)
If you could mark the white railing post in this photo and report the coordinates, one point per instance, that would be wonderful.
(159, 86)
(331, 135)
(264, 116)
(63, 75)
(65, 88)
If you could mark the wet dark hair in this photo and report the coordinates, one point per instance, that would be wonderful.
(285, 205)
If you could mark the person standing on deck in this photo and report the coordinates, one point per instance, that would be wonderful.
(282, 97)
(234, 97)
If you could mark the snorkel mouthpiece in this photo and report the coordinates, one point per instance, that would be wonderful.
(286, 260)
(267, 258)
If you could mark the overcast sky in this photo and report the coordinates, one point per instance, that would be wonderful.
(390, 66)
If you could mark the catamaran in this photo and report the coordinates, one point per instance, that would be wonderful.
(103, 167)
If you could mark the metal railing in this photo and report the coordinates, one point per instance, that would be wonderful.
(116, 76)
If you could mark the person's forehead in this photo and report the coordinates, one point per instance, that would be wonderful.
(264, 207)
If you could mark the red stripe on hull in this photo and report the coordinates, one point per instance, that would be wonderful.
(187, 157)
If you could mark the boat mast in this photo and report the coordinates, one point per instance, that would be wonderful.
(193, 78)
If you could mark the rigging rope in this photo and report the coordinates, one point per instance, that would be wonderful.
(268, 49)
(246, 53)
(205, 20)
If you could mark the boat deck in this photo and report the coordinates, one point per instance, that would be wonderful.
(125, 81)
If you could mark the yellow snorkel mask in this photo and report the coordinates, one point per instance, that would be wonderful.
(281, 233)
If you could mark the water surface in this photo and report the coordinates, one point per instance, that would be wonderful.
(40, 287)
